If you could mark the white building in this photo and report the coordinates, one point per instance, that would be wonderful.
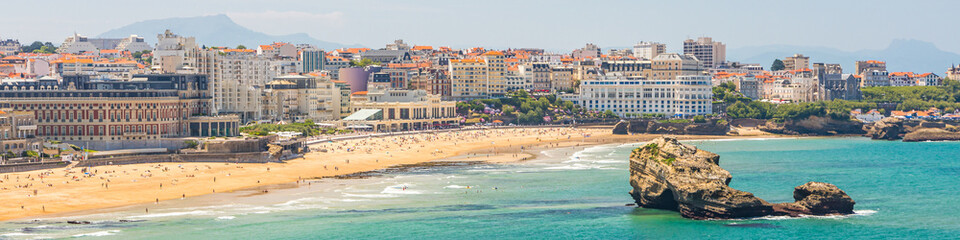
(648, 50)
(76, 44)
(133, 44)
(174, 52)
(682, 96)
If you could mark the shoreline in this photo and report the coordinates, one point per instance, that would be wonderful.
(515, 145)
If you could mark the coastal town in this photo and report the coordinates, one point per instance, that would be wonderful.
(91, 111)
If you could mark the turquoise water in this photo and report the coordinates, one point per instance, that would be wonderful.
(903, 190)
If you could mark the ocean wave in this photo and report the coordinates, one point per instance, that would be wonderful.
(98, 234)
(576, 166)
(400, 189)
(16, 234)
(226, 217)
(856, 213)
(456, 186)
(175, 214)
(369, 195)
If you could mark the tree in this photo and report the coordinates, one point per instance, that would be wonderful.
(241, 47)
(699, 119)
(363, 63)
(777, 65)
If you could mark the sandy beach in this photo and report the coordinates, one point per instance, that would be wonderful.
(59, 191)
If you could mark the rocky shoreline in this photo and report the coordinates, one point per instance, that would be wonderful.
(666, 174)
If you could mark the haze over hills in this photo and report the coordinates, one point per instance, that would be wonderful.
(902, 55)
(214, 30)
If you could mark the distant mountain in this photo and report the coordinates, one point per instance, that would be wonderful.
(214, 30)
(901, 56)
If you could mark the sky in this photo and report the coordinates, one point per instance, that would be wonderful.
(552, 25)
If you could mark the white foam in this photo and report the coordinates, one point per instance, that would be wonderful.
(856, 213)
(369, 195)
(575, 166)
(226, 217)
(175, 214)
(400, 189)
(98, 234)
(455, 186)
(15, 234)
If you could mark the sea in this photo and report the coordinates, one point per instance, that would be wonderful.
(903, 191)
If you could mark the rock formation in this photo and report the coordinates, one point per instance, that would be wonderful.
(885, 129)
(931, 134)
(711, 127)
(813, 125)
(666, 174)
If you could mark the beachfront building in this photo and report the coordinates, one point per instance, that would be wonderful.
(475, 78)
(296, 98)
(711, 54)
(113, 114)
(680, 96)
(18, 133)
(400, 110)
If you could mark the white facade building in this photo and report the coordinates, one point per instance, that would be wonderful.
(682, 96)
(76, 44)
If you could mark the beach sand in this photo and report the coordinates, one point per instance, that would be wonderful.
(61, 191)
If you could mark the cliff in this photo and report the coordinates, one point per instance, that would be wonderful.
(931, 134)
(813, 125)
(666, 174)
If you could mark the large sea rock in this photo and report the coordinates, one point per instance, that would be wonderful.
(666, 174)
(886, 129)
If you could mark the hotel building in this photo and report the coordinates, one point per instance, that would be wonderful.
(110, 114)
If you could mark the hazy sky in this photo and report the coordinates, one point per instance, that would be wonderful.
(556, 24)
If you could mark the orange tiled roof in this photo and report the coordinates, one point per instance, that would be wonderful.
(421, 48)
(360, 93)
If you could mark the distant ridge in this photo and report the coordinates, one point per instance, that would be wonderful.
(902, 55)
(214, 30)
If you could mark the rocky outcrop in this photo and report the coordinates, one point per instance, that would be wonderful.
(817, 198)
(819, 126)
(622, 128)
(666, 174)
(885, 129)
(712, 127)
(931, 134)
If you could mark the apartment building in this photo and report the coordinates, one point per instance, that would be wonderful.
(873, 73)
(648, 50)
(672, 65)
(297, 98)
(475, 78)
(796, 62)
(710, 53)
